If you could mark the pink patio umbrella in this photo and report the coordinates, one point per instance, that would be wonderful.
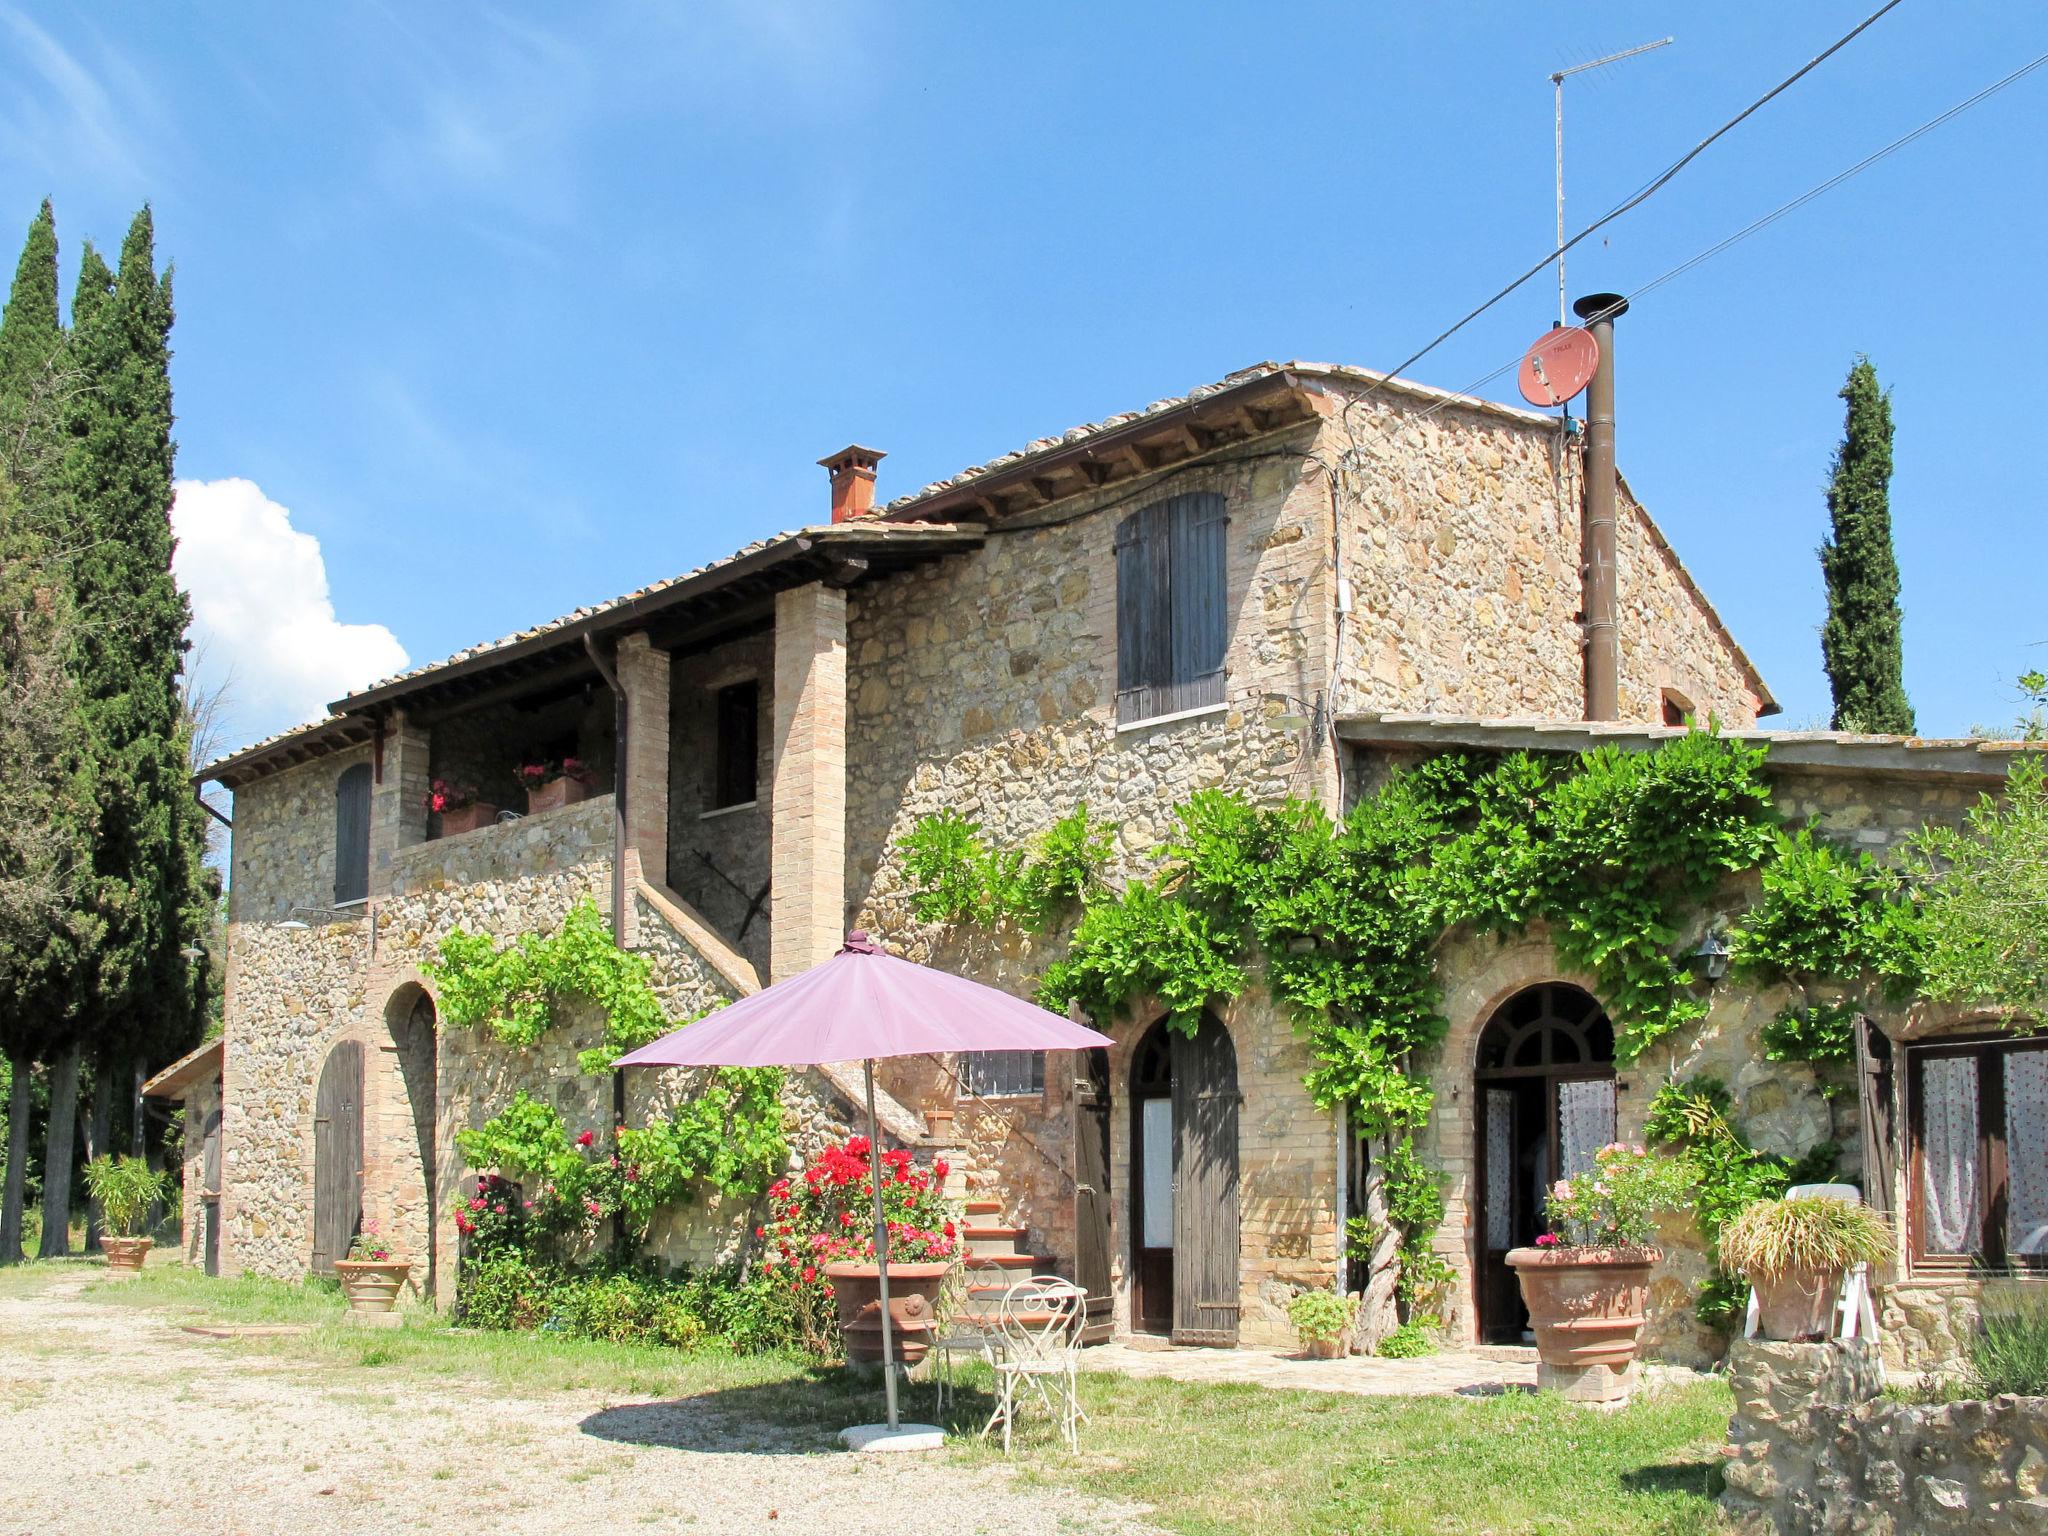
(862, 1005)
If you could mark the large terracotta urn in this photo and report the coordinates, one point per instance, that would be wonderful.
(1587, 1307)
(1797, 1306)
(467, 818)
(125, 1256)
(372, 1287)
(913, 1308)
(555, 794)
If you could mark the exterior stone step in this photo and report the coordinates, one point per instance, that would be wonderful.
(1012, 1267)
(993, 1242)
(984, 1207)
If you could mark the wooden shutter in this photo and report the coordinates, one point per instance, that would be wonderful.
(352, 834)
(1201, 627)
(1172, 613)
(337, 1155)
(1879, 1135)
(1205, 1210)
(1092, 1210)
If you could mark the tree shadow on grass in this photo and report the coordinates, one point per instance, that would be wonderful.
(1701, 1479)
(798, 1417)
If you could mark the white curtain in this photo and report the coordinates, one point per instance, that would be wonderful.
(1948, 1152)
(2026, 1152)
(1500, 1169)
(1585, 1123)
(1157, 1119)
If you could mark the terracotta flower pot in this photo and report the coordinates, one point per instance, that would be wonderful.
(372, 1285)
(913, 1297)
(125, 1256)
(555, 794)
(1587, 1306)
(1327, 1349)
(1796, 1307)
(468, 819)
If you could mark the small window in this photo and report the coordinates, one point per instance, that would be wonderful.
(1004, 1074)
(739, 740)
(1979, 1191)
(1677, 707)
(1172, 614)
(352, 835)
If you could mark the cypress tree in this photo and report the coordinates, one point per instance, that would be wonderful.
(1861, 642)
(45, 786)
(127, 658)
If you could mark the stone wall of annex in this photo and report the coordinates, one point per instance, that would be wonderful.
(1460, 532)
(988, 685)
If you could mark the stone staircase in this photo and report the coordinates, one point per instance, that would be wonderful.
(996, 1259)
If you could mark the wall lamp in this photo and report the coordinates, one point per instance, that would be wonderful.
(1713, 954)
(1303, 714)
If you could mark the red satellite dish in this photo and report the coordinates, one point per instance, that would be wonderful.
(1558, 365)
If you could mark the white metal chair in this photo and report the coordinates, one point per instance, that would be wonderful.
(1853, 1312)
(973, 1334)
(1040, 1321)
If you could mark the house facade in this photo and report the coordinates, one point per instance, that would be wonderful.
(1279, 584)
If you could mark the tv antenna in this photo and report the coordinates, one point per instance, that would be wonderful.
(1557, 80)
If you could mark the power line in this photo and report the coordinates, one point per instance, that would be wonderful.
(1656, 183)
(1782, 209)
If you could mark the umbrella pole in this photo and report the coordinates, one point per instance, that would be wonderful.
(881, 1244)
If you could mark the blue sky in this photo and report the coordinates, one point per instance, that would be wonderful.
(495, 311)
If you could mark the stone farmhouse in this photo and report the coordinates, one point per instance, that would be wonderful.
(1283, 582)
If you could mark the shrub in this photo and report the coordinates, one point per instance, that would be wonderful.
(125, 1187)
(1318, 1315)
(1407, 1342)
(2009, 1351)
(506, 1293)
(1813, 1234)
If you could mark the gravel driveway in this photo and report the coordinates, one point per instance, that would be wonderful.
(116, 1421)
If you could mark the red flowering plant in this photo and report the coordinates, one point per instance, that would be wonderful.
(548, 769)
(369, 1246)
(449, 795)
(826, 1215)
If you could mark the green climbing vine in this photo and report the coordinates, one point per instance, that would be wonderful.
(729, 1135)
(1617, 853)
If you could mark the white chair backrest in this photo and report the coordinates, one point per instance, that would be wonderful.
(1040, 1318)
(1849, 1194)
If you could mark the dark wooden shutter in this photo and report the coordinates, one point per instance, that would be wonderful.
(1143, 636)
(337, 1155)
(1201, 628)
(209, 1197)
(1879, 1132)
(1091, 1190)
(352, 834)
(1205, 1252)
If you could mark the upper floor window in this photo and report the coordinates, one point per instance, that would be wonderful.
(1172, 617)
(1979, 1173)
(352, 835)
(1677, 707)
(738, 724)
(1004, 1074)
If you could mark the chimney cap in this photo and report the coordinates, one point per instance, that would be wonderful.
(1603, 306)
(853, 456)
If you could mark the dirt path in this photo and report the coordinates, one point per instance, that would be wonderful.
(113, 1420)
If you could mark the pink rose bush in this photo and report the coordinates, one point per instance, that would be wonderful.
(1616, 1202)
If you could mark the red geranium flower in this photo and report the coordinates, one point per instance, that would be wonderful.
(586, 1139)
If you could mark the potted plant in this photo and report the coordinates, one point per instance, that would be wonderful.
(552, 784)
(126, 1188)
(1794, 1254)
(1587, 1281)
(458, 807)
(821, 1229)
(371, 1276)
(1322, 1321)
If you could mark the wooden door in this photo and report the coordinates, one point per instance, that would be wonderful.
(337, 1155)
(1091, 1189)
(209, 1191)
(1205, 1211)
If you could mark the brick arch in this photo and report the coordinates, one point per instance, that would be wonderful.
(401, 1162)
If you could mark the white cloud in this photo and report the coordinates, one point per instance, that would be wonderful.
(261, 614)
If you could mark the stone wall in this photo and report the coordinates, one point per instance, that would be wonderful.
(1813, 1451)
(201, 1101)
(988, 685)
(282, 855)
(1460, 532)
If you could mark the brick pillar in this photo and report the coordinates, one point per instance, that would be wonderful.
(643, 756)
(398, 800)
(807, 900)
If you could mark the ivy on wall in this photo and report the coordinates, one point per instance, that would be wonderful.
(1617, 853)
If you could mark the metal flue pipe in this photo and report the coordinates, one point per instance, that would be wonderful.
(1597, 572)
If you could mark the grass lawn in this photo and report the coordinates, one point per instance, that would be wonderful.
(1209, 1460)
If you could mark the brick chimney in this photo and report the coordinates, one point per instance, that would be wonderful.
(853, 481)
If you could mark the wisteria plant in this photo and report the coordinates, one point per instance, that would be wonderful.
(1616, 1202)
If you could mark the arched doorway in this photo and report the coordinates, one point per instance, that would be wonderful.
(337, 1155)
(1543, 1093)
(1184, 1206)
(411, 1019)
